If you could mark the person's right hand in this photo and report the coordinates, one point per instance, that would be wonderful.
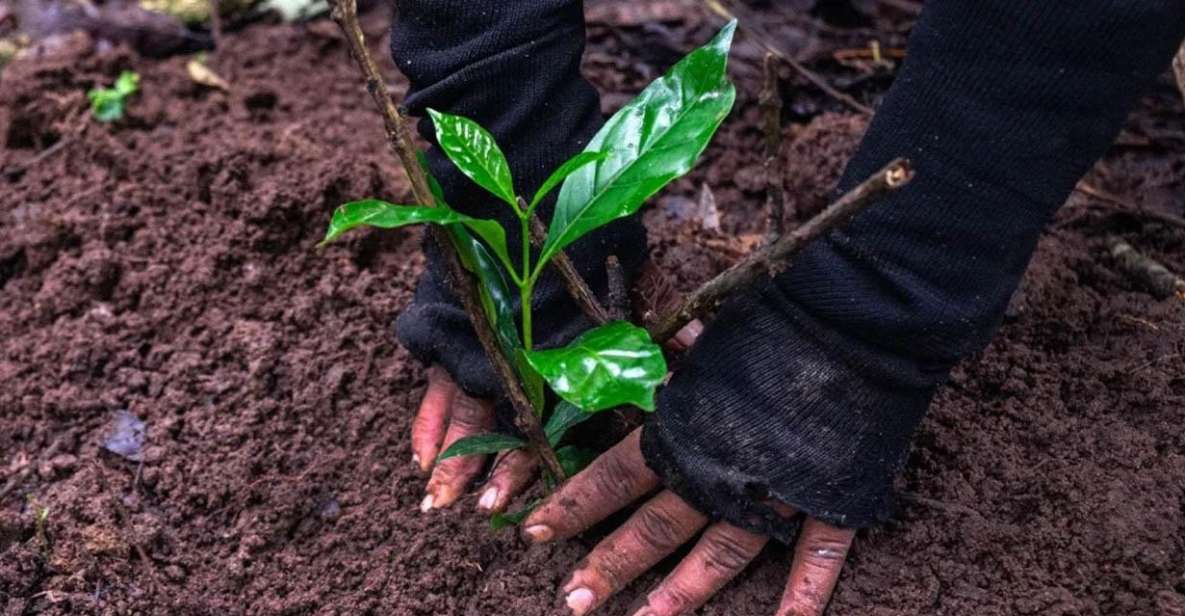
(446, 415)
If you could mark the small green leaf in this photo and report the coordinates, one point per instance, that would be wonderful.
(494, 292)
(498, 521)
(562, 173)
(473, 150)
(433, 184)
(565, 416)
(377, 213)
(654, 139)
(481, 444)
(573, 459)
(107, 104)
(614, 364)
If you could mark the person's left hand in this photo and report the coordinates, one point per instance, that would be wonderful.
(664, 523)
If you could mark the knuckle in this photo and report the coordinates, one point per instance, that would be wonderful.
(609, 479)
(727, 552)
(470, 414)
(675, 596)
(825, 551)
(658, 527)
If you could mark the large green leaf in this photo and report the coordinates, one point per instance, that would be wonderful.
(654, 139)
(378, 213)
(565, 416)
(614, 364)
(559, 175)
(481, 444)
(473, 150)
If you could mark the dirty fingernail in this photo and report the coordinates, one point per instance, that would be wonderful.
(580, 601)
(426, 504)
(415, 459)
(489, 498)
(539, 533)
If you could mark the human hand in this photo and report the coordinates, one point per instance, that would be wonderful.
(663, 524)
(446, 415)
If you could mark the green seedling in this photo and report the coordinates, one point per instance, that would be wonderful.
(107, 104)
(653, 140)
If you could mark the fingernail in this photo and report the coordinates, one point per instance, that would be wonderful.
(426, 504)
(539, 533)
(415, 459)
(489, 498)
(644, 612)
(580, 601)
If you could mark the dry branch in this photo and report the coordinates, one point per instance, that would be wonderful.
(1148, 272)
(578, 288)
(345, 14)
(776, 257)
(1108, 199)
(766, 41)
(1179, 70)
(619, 299)
(770, 102)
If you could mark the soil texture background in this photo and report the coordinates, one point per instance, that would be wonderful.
(163, 267)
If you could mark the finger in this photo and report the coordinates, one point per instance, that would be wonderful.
(719, 556)
(451, 477)
(654, 531)
(427, 429)
(615, 479)
(686, 337)
(512, 473)
(818, 559)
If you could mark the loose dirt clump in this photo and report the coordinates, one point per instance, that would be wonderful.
(164, 266)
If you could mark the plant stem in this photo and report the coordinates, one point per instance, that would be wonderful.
(527, 287)
(345, 14)
(774, 258)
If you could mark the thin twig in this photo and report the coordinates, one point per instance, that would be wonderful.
(1148, 272)
(1179, 70)
(1108, 199)
(216, 23)
(345, 14)
(775, 257)
(770, 102)
(766, 41)
(619, 300)
(125, 519)
(20, 475)
(578, 288)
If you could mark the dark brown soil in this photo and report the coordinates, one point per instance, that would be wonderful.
(165, 266)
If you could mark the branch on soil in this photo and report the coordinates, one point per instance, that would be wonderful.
(345, 14)
(1106, 198)
(774, 258)
(770, 102)
(1145, 270)
(765, 40)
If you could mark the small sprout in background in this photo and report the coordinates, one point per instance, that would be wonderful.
(40, 519)
(108, 103)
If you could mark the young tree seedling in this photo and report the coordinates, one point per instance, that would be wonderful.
(107, 104)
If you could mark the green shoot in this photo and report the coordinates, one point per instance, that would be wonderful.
(107, 104)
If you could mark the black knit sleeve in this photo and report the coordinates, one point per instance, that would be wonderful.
(514, 67)
(808, 389)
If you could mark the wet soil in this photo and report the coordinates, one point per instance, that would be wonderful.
(165, 266)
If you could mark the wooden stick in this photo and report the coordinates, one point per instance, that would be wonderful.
(345, 14)
(619, 299)
(774, 258)
(766, 41)
(578, 288)
(1179, 70)
(1127, 207)
(770, 102)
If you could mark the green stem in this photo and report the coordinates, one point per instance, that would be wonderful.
(527, 287)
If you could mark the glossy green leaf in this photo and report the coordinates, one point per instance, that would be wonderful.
(377, 213)
(498, 521)
(481, 444)
(654, 139)
(559, 175)
(473, 150)
(565, 416)
(433, 184)
(614, 364)
(573, 459)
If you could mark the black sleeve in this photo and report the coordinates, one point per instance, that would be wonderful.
(808, 389)
(514, 67)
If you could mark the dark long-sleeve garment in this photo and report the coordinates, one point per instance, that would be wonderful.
(808, 388)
